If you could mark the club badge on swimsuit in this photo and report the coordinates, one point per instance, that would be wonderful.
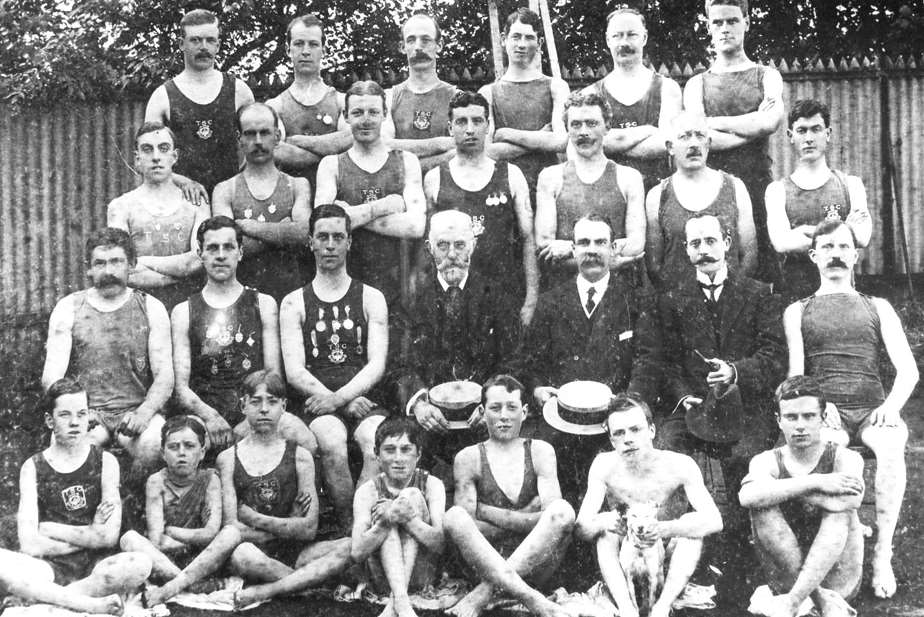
(478, 225)
(422, 119)
(266, 492)
(371, 194)
(205, 129)
(833, 212)
(337, 355)
(75, 497)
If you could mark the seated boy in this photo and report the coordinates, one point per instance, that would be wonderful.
(636, 473)
(70, 513)
(268, 493)
(185, 539)
(398, 517)
(803, 498)
(509, 522)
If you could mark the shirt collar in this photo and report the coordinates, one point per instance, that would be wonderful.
(600, 286)
(720, 276)
(444, 285)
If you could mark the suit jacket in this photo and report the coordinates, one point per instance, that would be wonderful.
(488, 337)
(614, 346)
(748, 333)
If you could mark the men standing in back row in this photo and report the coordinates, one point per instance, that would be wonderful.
(199, 105)
(642, 101)
(743, 105)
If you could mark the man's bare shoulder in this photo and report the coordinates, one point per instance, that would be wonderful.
(542, 449)
(467, 458)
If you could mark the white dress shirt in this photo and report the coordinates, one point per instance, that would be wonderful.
(600, 286)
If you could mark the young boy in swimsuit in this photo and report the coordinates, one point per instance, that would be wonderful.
(185, 540)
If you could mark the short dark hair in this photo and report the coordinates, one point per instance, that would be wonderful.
(438, 34)
(526, 16)
(798, 386)
(362, 88)
(507, 382)
(328, 211)
(273, 381)
(741, 4)
(593, 217)
(219, 222)
(623, 402)
(806, 108)
(589, 99)
(251, 105)
(178, 423)
(626, 10)
(308, 20)
(464, 98)
(197, 17)
(150, 127)
(396, 426)
(726, 233)
(65, 385)
(110, 237)
(829, 226)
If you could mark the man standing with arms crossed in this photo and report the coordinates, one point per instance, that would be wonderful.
(835, 336)
(642, 100)
(743, 104)
(199, 105)
(812, 193)
(271, 207)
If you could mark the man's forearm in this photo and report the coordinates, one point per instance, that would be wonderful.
(293, 157)
(536, 141)
(323, 145)
(85, 536)
(156, 398)
(511, 520)
(431, 146)
(621, 141)
(197, 537)
(296, 528)
(425, 534)
(363, 214)
(691, 525)
(279, 234)
(177, 266)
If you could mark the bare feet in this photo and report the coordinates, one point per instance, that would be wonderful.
(403, 608)
(389, 610)
(155, 595)
(784, 606)
(547, 608)
(246, 597)
(473, 603)
(107, 605)
(883, 582)
(832, 604)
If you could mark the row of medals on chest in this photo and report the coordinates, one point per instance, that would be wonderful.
(220, 332)
(335, 344)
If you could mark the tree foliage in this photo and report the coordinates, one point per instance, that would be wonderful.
(52, 50)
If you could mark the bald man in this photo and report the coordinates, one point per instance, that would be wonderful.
(459, 327)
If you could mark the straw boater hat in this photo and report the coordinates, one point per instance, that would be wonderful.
(579, 408)
(457, 400)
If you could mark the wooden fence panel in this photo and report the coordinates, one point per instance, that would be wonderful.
(906, 121)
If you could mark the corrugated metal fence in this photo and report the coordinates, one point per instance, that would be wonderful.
(59, 169)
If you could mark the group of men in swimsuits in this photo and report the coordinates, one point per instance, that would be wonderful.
(295, 316)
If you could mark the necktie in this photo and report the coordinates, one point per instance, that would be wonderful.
(711, 287)
(452, 330)
(591, 305)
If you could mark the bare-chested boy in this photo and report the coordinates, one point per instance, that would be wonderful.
(509, 522)
(398, 517)
(803, 498)
(634, 473)
(268, 491)
(69, 516)
(185, 539)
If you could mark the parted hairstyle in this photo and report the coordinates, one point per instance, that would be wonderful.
(798, 386)
(593, 217)
(806, 108)
(507, 382)
(308, 20)
(150, 127)
(273, 381)
(589, 99)
(328, 211)
(741, 4)
(396, 426)
(525, 16)
(361, 88)
(623, 402)
(626, 10)
(464, 98)
(219, 222)
(252, 105)
(198, 17)
(178, 423)
(829, 226)
(65, 385)
(110, 237)
(437, 34)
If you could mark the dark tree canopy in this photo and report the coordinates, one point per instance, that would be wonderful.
(103, 49)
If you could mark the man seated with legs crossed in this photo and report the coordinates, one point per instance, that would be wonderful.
(509, 522)
(638, 473)
(185, 539)
(69, 517)
(803, 498)
(268, 492)
(398, 517)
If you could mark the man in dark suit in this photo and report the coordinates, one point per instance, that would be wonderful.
(589, 328)
(460, 327)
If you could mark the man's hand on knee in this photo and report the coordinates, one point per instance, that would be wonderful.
(883, 416)
(360, 407)
(323, 404)
(134, 423)
(838, 484)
